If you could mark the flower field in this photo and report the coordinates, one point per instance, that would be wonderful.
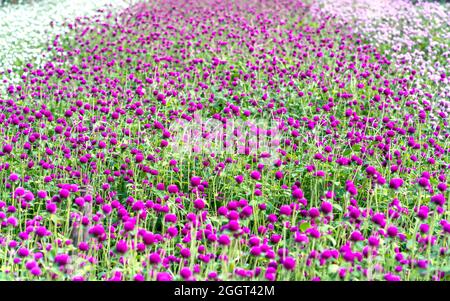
(226, 140)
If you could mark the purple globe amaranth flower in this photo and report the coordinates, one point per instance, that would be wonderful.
(326, 207)
(78, 278)
(23, 252)
(30, 264)
(154, 258)
(392, 231)
(423, 211)
(122, 246)
(297, 193)
(28, 197)
(370, 170)
(373, 241)
(83, 246)
(186, 273)
(279, 175)
(356, 236)
(391, 277)
(170, 218)
(438, 199)
(379, 219)
(7, 148)
(172, 188)
(314, 212)
(62, 259)
(445, 226)
(64, 193)
(255, 175)
(424, 228)
(224, 240)
(239, 179)
(19, 192)
(36, 271)
(13, 177)
(185, 252)
(422, 264)
(285, 210)
(396, 183)
(195, 181)
(199, 204)
(51, 207)
(351, 188)
(255, 251)
(289, 263)
(442, 187)
(164, 276)
(424, 182)
(233, 225)
(42, 194)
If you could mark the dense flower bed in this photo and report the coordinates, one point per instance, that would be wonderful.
(99, 181)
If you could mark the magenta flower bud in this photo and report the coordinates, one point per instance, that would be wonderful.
(28, 196)
(392, 231)
(224, 240)
(199, 204)
(42, 194)
(170, 218)
(279, 175)
(297, 193)
(13, 177)
(442, 187)
(255, 175)
(391, 277)
(36, 271)
(121, 246)
(7, 149)
(19, 191)
(64, 193)
(195, 181)
(396, 183)
(239, 179)
(289, 263)
(51, 207)
(285, 210)
(23, 252)
(438, 199)
(314, 212)
(373, 241)
(62, 259)
(424, 228)
(83, 246)
(326, 207)
(370, 170)
(172, 188)
(163, 276)
(154, 258)
(356, 236)
(186, 273)
(185, 252)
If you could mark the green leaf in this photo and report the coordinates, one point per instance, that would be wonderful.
(305, 226)
(337, 207)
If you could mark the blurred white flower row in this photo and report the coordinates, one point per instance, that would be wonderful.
(416, 36)
(26, 28)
